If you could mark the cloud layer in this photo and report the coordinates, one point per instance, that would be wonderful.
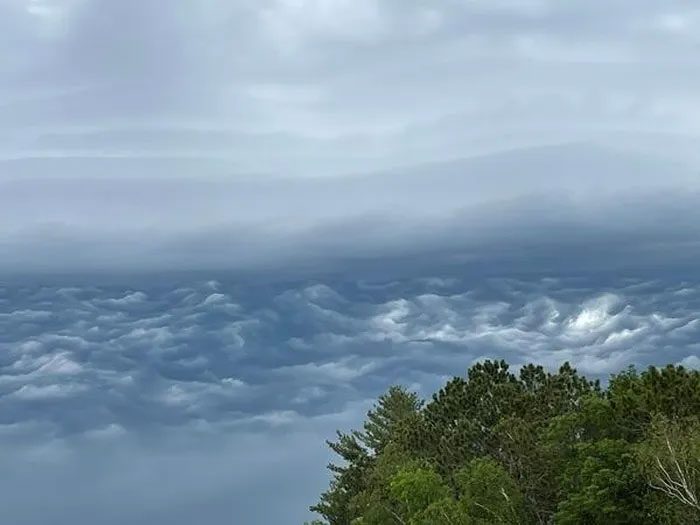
(200, 381)
(223, 135)
(331, 86)
(370, 192)
(534, 206)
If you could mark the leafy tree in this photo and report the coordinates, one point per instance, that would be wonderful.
(374, 505)
(601, 485)
(489, 494)
(526, 455)
(447, 511)
(415, 489)
(535, 447)
(672, 391)
(456, 425)
(670, 458)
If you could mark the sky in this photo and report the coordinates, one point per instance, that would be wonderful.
(195, 136)
(227, 226)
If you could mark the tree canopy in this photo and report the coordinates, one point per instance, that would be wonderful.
(532, 447)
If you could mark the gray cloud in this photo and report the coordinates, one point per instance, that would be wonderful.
(484, 210)
(330, 86)
(135, 137)
(198, 381)
(353, 193)
(210, 352)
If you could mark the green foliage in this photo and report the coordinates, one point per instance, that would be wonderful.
(672, 391)
(489, 494)
(670, 460)
(351, 487)
(392, 409)
(602, 485)
(445, 511)
(536, 447)
(415, 489)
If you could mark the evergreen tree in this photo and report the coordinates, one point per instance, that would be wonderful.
(533, 448)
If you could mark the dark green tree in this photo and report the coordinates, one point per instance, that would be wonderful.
(358, 451)
(534, 447)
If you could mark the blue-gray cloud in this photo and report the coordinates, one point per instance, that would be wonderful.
(369, 192)
(533, 206)
(201, 381)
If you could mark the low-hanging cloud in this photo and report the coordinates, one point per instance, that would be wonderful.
(535, 206)
(198, 381)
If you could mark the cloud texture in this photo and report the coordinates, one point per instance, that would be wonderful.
(368, 192)
(219, 134)
(201, 381)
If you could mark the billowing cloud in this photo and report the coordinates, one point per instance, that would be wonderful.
(185, 362)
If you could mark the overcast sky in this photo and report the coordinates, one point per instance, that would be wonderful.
(319, 87)
(156, 135)
(365, 191)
